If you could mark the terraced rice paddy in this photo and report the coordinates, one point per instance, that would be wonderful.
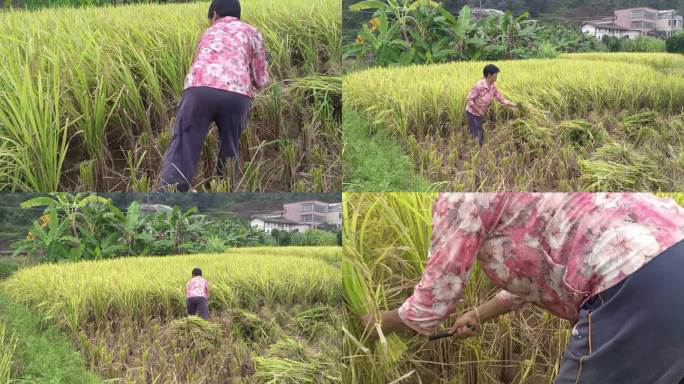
(386, 241)
(592, 122)
(275, 316)
(88, 97)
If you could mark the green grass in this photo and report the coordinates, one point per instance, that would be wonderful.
(43, 353)
(7, 267)
(375, 163)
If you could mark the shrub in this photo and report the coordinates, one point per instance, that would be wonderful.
(313, 237)
(675, 44)
(644, 44)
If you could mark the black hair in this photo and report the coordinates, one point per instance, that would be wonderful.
(196, 272)
(224, 8)
(490, 69)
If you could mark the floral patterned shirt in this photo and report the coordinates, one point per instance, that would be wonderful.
(481, 95)
(197, 287)
(230, 57)
(554, 250)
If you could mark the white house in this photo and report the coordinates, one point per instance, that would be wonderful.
(267, 224)
(599, 29)
(334, 215)
(633, 22)
(315, 213)
(669, 22)
(483, 13)
(152, 208)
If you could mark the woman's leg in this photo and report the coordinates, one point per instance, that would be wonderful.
(203, 307)
(231, 121)
(632, 333)
(192, 124)
(475, 126)
(192, 306)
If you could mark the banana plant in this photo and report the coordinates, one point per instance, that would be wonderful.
(184, 226)
(67, 206)
(132, 228)
(399, 11)
(50, 240)
(382, 42)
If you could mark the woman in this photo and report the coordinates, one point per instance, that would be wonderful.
(197, 295)
(230, 61)
(480, 97)
(611, 264)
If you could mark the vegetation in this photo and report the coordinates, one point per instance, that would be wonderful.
(640, 44)
(86, 226)
(375, 163)
(590, 122)
(586, 7)
(8, 343)
(669, 64)
(41, 353)
(675, 43)
(88, 104)
(387, 237)
(126, 316)
(423, 32)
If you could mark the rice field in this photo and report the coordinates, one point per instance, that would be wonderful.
(387, 237)
(88, 97)
(590, 122)
(273, 319)
(661, 61)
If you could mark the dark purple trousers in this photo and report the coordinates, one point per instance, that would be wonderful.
(632, 333)
(198, 306)
(475, 127)
(199, 107)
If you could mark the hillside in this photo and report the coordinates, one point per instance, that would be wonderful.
(567, 9)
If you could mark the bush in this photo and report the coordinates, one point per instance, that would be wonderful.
(313, 237)
(281, 237)
(675, 44)
(640, 44)
(645, 44)
(7, 268)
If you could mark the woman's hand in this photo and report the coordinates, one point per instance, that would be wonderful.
(465, 326)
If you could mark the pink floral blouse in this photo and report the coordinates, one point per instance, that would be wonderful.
(230, 57)
(197, 287)
(554, 250)
(480, 97)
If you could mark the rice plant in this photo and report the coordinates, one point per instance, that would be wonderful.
(570, 108)
(8, 343)
(386, 241)
(89, 102)
(127, 316)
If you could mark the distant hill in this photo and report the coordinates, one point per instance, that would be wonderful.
(589, 8)
(569, 10)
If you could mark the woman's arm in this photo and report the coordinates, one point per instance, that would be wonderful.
(459, 223)
(470, 323)
(504, 101)
(465, 326)
(473, 93)
(259, 63)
